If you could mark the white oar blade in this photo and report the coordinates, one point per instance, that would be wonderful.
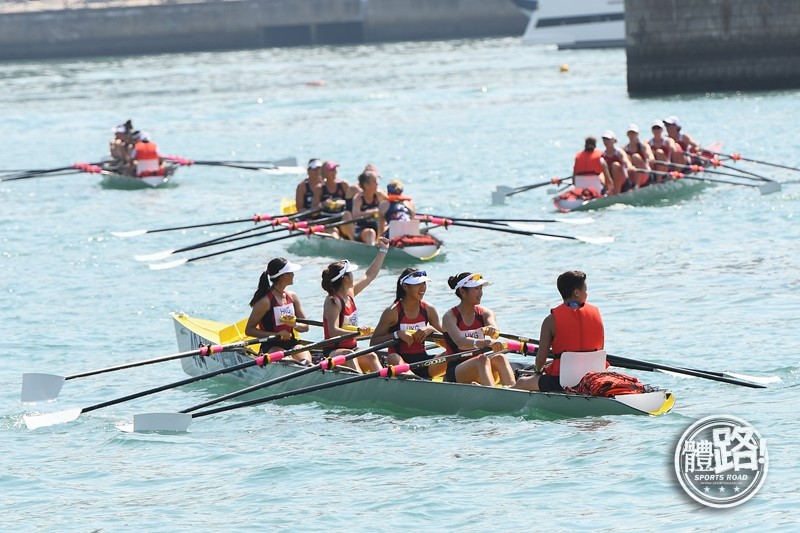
(754, 379)
(177, 422)
(126, 234)
(285, 170)
(51, 419)
(595, 240)
(577, 221)
(526, 226)
(165, 266)
(157, 256)
(769, 188)
(37, 387)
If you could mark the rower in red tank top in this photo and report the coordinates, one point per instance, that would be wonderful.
(339, 309)
(466, 326)
(665, 151)
(640, 155)
(618, 164)
(411, 320)
(573, 326)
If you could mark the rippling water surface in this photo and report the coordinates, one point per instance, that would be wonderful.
(710, 282)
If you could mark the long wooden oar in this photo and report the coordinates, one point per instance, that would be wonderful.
(576, 221)
(326, 364)
(180, 421)
(41, 387)
(525, 188)
(701, 169)
(636, 364)
(75, 168)
(763, 188)
(716, 163)
(255, 218)
(739, 157)
(249, 233)
(537, 234)
(305, 231)
(60, 417)
(244, 165)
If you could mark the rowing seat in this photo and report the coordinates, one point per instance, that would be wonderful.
(400, 228)
(575, 365)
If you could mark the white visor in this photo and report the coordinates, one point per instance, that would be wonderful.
(348, 267)
(415, 278)
(288, 267)
(473, 280)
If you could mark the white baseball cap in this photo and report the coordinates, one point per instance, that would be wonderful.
(633, 127)
(658, 124)
(608, 134)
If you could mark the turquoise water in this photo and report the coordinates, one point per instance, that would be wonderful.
(710, 282)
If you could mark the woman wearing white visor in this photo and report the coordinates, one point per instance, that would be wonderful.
(466, 326)
(339, 309)
(275, 309)
(411, 320)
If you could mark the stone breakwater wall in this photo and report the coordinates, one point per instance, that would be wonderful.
(136, 28)
(712, 45)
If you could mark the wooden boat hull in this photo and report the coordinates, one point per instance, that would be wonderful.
(659, 193)
(407, 397)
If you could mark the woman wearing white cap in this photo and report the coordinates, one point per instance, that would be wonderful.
(411, 320)
(275, 309)
(339, 309)
(684, 140)
(640, 155)
(466, 326)
(308, 193)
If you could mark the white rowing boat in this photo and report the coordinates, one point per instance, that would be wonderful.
(406, 397)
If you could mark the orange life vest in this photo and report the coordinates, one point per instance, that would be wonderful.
(588, 162)
(578, 329)
(146, 151)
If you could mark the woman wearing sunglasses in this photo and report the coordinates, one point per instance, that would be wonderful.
(339, 309)
(466, 326)
(411, 320)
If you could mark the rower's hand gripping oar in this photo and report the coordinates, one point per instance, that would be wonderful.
(60, 417)
(40, 387)
(175, 422)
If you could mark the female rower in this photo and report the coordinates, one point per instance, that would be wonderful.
(466, 326)
(396, 207)
(275, 310)
(366, 202)
(411, 320)
(339, 309)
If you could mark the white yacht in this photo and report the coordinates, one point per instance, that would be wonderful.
(574, 23)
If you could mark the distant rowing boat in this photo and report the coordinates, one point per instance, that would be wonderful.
(401, 396)
(670, 190)
(114, 180)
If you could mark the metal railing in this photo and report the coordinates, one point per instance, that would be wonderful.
(23, 6)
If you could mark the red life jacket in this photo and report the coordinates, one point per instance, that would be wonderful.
(608, 384)
(578, 329)
(588, 162)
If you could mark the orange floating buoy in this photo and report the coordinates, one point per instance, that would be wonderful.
(564, 68)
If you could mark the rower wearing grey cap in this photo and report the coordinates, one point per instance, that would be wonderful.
(309, 191)
(665, 150)
(619, 164)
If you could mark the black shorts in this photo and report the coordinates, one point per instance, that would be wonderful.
(283, 345)
(450, 373)
(548, 383)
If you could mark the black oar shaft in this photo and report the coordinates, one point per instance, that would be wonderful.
(211, 374)
(287, 377)
(512, 230)
(387, 372)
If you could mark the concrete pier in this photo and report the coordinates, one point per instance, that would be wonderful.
(52, 29)
(712, 45)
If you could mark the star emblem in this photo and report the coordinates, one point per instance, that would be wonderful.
(722, 489)
(736, 489)
(707, 489)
